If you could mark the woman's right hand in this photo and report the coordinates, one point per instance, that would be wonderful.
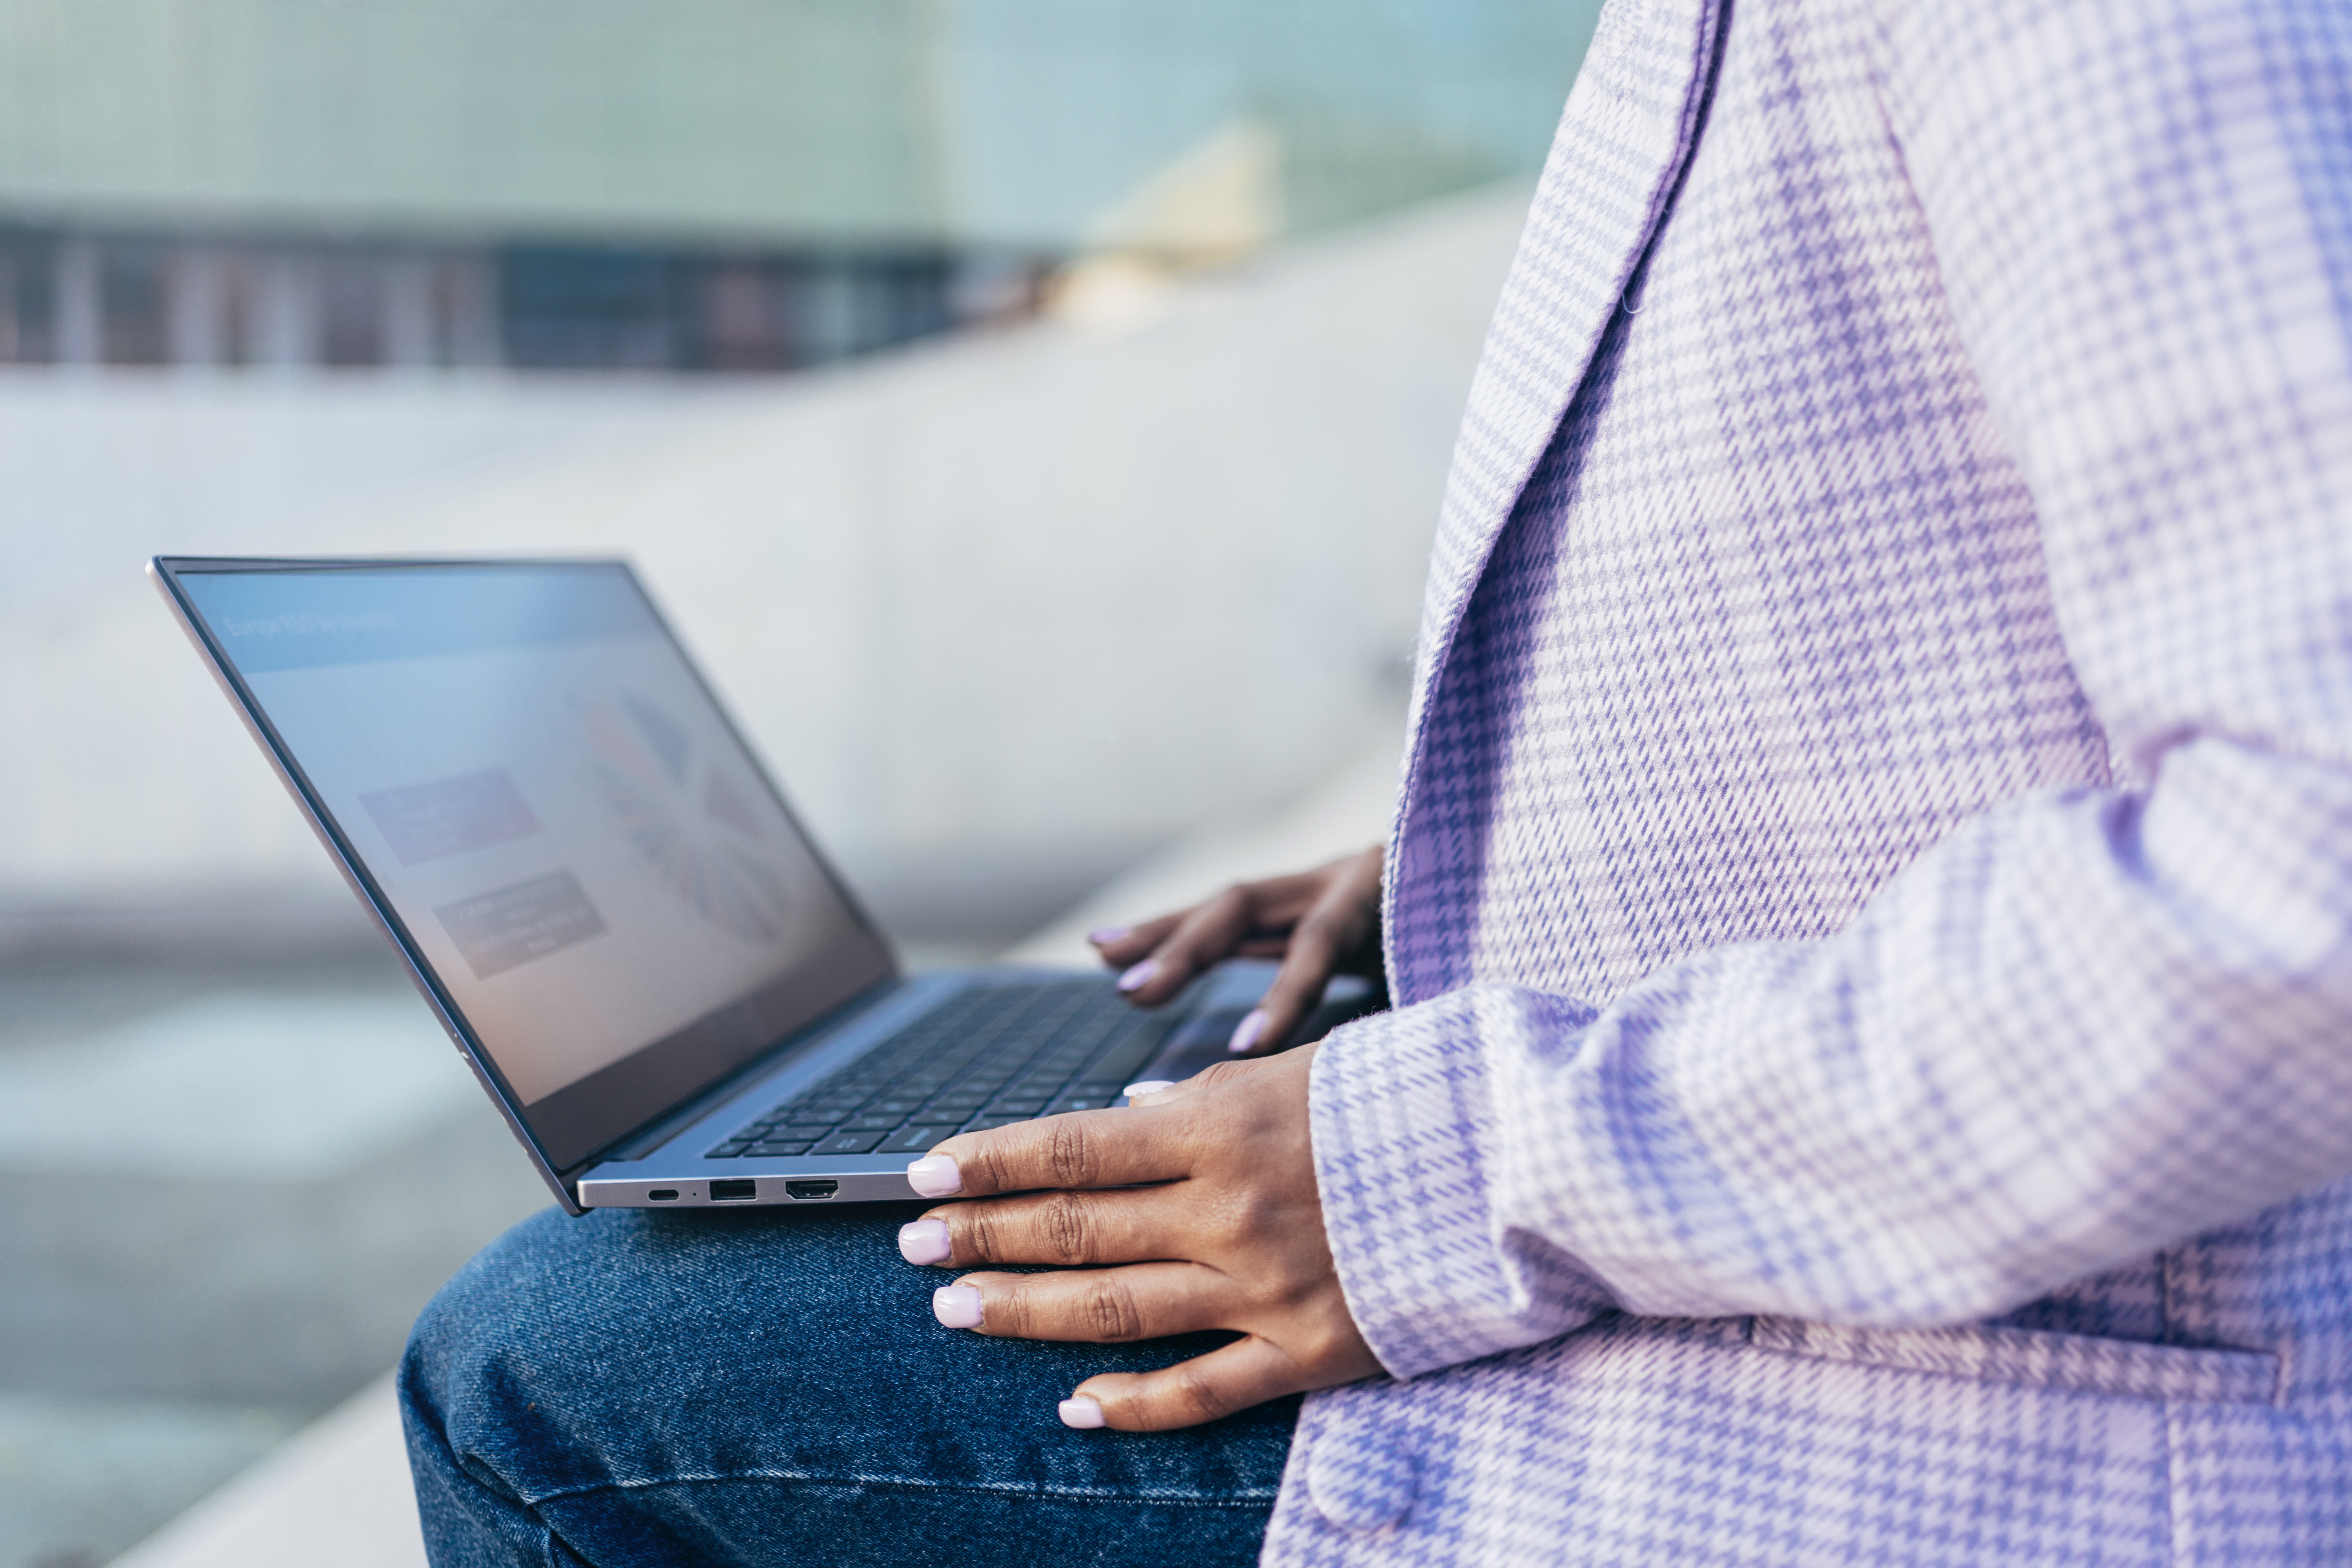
(1321, 922)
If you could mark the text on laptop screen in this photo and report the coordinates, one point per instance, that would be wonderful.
(546, 795)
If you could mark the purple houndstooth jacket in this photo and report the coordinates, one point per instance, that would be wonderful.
(1870, 902)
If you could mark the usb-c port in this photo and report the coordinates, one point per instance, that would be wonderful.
(663, 1196)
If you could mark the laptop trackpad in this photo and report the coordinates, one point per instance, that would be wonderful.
(1200, 1041)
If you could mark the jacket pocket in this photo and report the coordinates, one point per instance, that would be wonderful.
(2036, 1358)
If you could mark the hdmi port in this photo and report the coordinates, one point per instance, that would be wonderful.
(811, 1189)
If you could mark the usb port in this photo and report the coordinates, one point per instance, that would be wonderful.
(811, 1189)
(734, 1191)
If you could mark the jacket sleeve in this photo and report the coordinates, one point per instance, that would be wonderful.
(2089, 1023)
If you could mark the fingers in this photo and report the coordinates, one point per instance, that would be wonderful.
(1066, 1229)
(1121, 946)
(1103, 1306)
(1333, 927)
(1078, 1149)
(1232, 1377)
(1156, 958)
(1202, 935)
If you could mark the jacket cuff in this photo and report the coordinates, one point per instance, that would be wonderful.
(1406, 1132)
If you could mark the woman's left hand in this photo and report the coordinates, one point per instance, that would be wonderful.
(1231, 1238)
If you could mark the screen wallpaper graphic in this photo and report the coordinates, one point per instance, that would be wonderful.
(573, 837)
(679, 810)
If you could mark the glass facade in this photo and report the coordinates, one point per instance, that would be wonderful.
(706, 185)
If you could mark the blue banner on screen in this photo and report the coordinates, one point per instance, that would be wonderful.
(302, 620)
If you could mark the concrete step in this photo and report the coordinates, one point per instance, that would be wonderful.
(337, 1494)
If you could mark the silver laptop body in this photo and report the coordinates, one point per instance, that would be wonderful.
(671, 996)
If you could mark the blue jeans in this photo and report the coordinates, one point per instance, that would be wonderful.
(768, 1386)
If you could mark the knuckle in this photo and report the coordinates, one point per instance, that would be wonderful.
(994, 1169)
(1311, 952)
(1110, 1310)
(1323, 930)
(1068, 1231)
(1222, 1072)
(979, 1236)
(1070, 1152)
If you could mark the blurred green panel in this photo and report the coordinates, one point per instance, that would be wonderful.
(759, 117)
(869, 122)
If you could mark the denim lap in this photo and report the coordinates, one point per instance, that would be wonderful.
(768, 1386)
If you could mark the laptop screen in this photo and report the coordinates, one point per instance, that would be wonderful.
(566, 833)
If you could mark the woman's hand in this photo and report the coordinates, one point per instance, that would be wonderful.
(1231, 1238)
(1321, 922)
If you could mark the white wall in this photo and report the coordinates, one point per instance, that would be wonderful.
(1025, 599)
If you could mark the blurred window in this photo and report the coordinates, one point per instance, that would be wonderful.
(580, 309)
(131, 305)
(352, 306)
(28, 269)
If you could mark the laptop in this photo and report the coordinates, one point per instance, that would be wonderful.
(671, 996)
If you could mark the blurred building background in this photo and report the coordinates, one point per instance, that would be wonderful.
(1032, 411)
(702, 185)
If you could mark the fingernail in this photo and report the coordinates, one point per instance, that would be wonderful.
(1137, 978)
(925, 1241)
(957, 1306)
(1246, 1032)
(936, 1176)
(1149, 1086)
(1103, 936)
(1082, 1411)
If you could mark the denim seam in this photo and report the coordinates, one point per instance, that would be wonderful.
(1059, 1494)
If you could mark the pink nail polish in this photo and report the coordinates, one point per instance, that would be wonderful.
(957, 1307)
(1139, 976)
(936, 1176)
(1246, 1032)
(1103, 936)
(925, 1241)
(1082, 1411)
(1149, 1086)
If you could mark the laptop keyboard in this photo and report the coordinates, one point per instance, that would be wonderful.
(987, 1057)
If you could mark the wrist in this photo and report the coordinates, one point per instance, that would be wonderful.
(1404, 1125)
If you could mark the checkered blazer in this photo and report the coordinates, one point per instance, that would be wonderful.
(1870, 903)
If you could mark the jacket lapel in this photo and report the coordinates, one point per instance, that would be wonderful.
(1615, 163)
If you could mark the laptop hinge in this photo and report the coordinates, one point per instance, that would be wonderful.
(637, 1144)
